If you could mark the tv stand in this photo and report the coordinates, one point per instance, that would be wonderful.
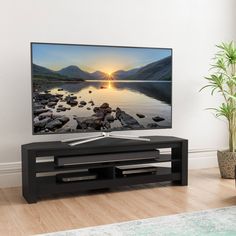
(102, 158)
(102, 135)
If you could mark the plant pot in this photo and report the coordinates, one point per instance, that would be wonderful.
(227, 163)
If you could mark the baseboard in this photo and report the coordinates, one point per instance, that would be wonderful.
(10, 173)
(200, 159)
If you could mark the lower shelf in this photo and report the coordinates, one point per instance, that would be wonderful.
(48, 185)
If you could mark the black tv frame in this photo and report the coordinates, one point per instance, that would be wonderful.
(97, 131)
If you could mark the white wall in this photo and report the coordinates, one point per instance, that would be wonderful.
(190, 27)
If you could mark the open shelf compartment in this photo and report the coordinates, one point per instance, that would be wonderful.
(49, 182)
(47, 166)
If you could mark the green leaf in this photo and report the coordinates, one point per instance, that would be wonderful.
(223, 80)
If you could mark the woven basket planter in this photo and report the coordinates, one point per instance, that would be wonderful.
(227, 163)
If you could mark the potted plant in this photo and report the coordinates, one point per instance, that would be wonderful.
(223, 81)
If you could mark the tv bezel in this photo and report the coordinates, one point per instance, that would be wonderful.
(93, 131)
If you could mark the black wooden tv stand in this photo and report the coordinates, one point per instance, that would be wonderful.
(39, 180)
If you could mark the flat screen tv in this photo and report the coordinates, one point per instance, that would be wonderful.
(85, 88)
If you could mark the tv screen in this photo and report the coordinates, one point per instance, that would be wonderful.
(85, 88)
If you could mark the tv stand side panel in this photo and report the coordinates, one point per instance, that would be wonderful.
(184, 163)
(29, 185)
(182, 166)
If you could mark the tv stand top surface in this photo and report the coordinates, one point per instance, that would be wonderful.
(105, 144)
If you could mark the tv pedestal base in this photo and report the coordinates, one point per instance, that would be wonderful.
(75, 141)
(39, 176)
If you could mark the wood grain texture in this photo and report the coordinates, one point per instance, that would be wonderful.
(206, 190)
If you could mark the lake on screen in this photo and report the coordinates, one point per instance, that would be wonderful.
(150, 98)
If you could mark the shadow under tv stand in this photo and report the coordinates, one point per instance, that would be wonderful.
(100, 157)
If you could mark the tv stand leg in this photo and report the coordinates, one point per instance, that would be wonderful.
(182, 166)
(30, 199)
(28, 162)
(184, 163)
